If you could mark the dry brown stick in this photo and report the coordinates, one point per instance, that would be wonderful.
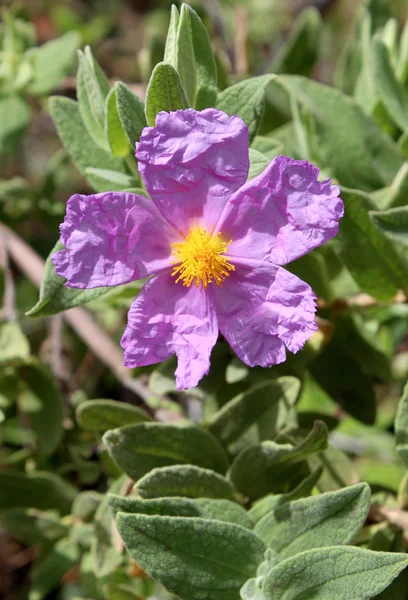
(79, 319)
(8, 311)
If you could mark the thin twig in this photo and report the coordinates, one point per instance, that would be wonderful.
(8, 312)
(240, 40)
(79, 319)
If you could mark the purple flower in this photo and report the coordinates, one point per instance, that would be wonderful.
(213, 243)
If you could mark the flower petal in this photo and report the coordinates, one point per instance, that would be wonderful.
(168, 318)
(112, 238)
(281, 214)
(262, 308)
(191, 162)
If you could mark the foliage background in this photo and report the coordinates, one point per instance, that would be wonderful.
(55, 469)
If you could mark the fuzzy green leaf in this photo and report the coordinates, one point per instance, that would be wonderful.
(131, 113)
(39, 490)
(164, 92)
(300, 50)
(370, 257)
(264, 468)
(326, 520)
(401, 426)
(369, 159)
(206, 508)
(81, 147)
(193, 558)
(391, 91)
(115, 135)
(272, 501)
(101, 415)
(393, 223)
(55, 297)
(184, 480)
(342, 572)
(51, 61)
(246, 99)
(139, 448)
(257, 163)
(247, 408)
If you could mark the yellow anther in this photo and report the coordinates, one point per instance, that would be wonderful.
(201, 259)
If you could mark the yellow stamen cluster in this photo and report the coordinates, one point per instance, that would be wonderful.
(201, 259)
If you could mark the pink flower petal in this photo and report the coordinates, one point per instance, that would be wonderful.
(191, 162)
(262, 308)
(168, 318)
(112, 238)
(281, 214)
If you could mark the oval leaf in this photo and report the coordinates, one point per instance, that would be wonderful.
(164, 92)
(184, 480)
(343, 573)
(139, 448)
(193, 558)
(326, 520)
(101, 415)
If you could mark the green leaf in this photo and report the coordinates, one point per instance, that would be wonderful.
(370, 257)
(86, 504)
(15, 115)
(92, 90)
(184, 56)
(41, 402)
(55, 297)
(272, 501)
(184, 480)
(114, 591)
(101, 415)
(164, 92)
(14, 345)
(257, 163)
(206, 72)
(51, 62)
(170, 51)
(139, 448)
(393, 223)
(206, 508)
(357, 341)
(246, 99)
(32, 526)
(115, 135)
(264, 468)
(105, 557)
(369, 158)
(401, 426)
(131, 112)
(391, 91)
(247, 408)
(326, 520)
(82, 149)
(299, 52)
(48, 573)
(39, 490)
(193, 558)
(122, 180)
(343, 573)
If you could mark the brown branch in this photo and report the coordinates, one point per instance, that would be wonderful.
(79, 319)
(8, 312)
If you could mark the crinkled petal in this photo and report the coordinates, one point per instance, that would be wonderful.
(191, 162)
(281, 214)
(112, 238)
(167, 318)
(262, 308)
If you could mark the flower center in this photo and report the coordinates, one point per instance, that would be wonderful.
(201, 259)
